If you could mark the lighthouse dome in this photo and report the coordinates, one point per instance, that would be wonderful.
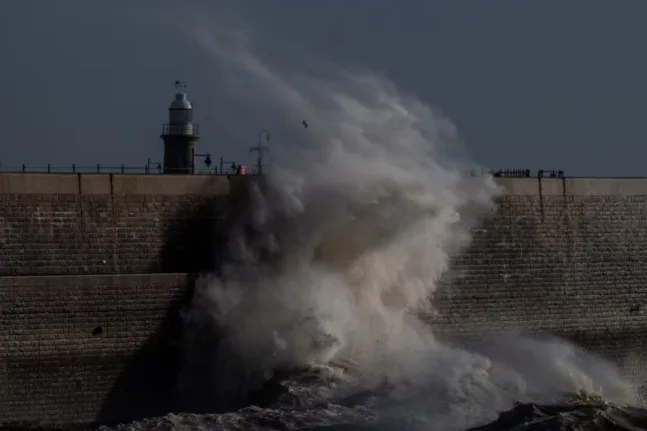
(181, 103)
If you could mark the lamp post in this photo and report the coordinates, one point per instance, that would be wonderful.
(207, 159)
(222, 165)
(260, 149)
(149, 163)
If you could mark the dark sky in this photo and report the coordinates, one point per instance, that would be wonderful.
(537, 84)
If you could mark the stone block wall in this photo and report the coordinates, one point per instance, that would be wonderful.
(108, 224)
(561, 256)
(79, 349)
(93, 270)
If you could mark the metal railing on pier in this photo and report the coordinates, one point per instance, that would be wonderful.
(225, 168)
(114, 169)
(515, 173)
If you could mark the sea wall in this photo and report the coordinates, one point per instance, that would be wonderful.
(93, 272)
(108, 224)
(560, 256)
(95, 269)
(88, 348)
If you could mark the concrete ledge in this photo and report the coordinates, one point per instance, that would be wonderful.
(215, 185)
(519, 186)
(606, 186)
(573, 186)
(58, 184)
(112, 184)
(170, 185)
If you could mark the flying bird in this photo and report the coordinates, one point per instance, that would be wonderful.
(305, 124)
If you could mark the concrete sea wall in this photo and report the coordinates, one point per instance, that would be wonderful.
(106, 224)
(94, 269)
(93, 272)
(561, 256)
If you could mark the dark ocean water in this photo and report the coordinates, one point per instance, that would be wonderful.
(300, 402)
(578, 415)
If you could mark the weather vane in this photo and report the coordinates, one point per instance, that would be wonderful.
(180, 85)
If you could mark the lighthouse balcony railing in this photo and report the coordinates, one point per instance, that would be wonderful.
(180, 129)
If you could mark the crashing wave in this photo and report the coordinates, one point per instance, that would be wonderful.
(333, 260)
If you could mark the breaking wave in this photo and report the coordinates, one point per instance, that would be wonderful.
(317, 318)
(583, 415)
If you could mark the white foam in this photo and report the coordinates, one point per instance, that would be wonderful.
(361, 215)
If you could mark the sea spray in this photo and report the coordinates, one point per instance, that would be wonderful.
(340, 251)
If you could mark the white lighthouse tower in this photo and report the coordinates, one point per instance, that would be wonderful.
(180, 134)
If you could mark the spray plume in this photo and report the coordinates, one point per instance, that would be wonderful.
(344, 243)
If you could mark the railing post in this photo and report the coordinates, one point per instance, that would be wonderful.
(49, 168)
(73, 168)
(122, 169)
(98, 168)
(146, 170)
(23, 167)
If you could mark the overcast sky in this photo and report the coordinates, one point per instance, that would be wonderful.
(537, 84)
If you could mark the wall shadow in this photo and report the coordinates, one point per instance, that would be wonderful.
(205, 352)
(147, 387)
(196, 238)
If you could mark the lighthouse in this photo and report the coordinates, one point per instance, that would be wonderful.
(180, 134)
